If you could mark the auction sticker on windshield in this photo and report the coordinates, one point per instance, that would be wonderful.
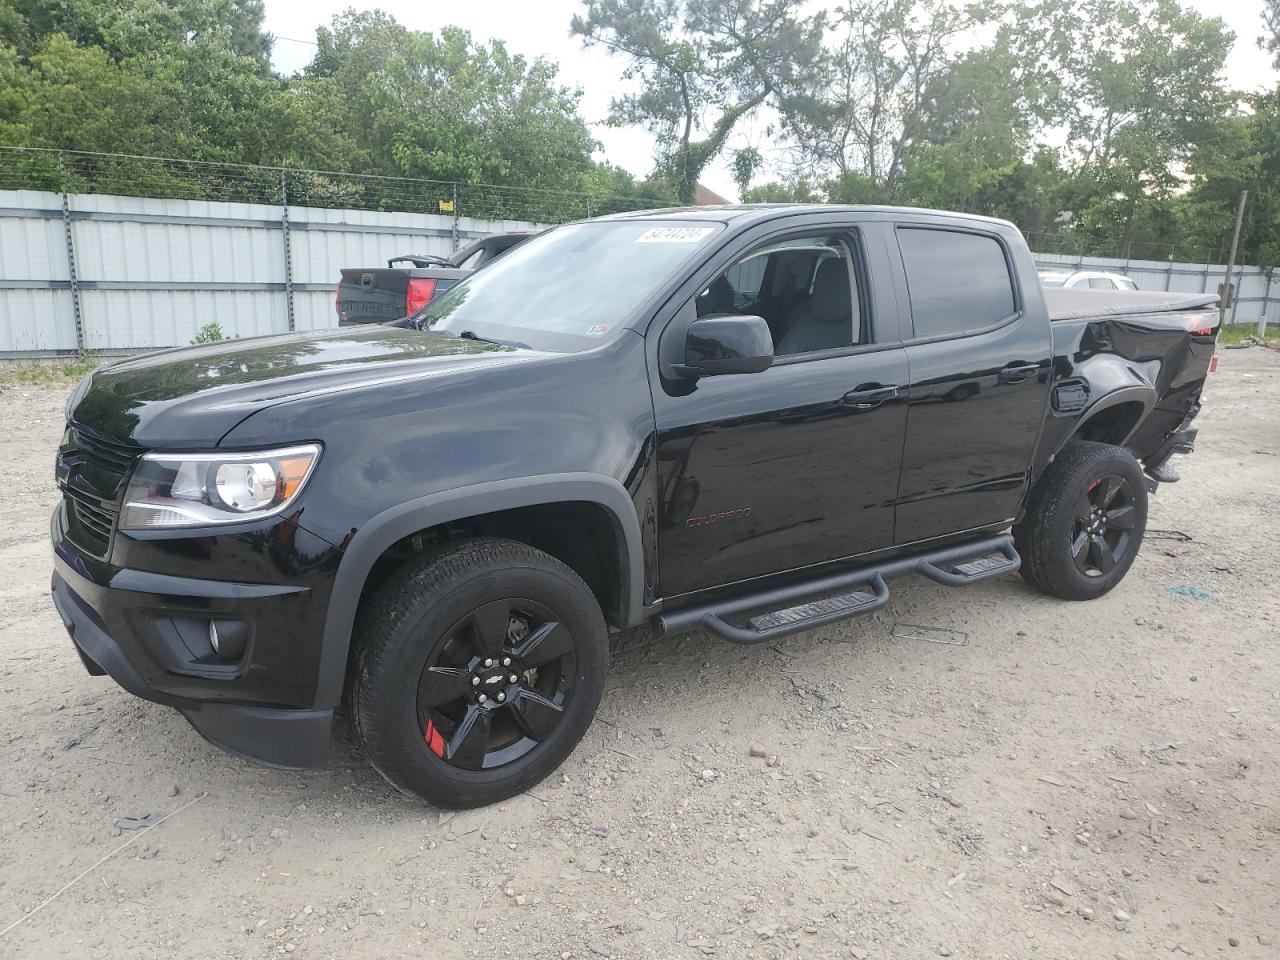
(674, 234)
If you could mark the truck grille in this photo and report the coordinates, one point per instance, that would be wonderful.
(98, 517)
(106, 454)
(92, 471)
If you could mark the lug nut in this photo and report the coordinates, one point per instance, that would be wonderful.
(475, 681)
(488, 663)
(512, 679)
(506, 661)
(501, 697)
(482, 698)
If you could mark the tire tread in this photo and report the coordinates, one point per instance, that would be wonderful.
(382, 616)
(1037, 535)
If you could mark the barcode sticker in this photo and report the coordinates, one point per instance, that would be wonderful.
(674, 234)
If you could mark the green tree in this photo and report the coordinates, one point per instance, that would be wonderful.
(972, 132)
(445, 107)
(1242, 153)
(141, 77)
(794, 191)
(613, 190)
(859, 110)
(1270, 38)
(703, 66)
(1134, 84)
(744, 165)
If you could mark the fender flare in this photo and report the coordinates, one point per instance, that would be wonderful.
(377, 534)
(1144, 394)
(1110, 385)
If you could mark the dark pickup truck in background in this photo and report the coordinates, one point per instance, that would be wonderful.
(379, 294)
(746, 420)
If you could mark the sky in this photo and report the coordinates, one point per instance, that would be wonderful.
(541, 28)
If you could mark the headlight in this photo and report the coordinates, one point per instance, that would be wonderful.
(197, 489)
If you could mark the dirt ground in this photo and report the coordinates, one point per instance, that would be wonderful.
(1075, 781)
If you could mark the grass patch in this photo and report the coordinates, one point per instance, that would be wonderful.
(58, 374)
(1248, 332)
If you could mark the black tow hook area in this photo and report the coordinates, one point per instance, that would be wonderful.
(822, 603)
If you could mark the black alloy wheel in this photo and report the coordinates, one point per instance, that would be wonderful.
(1104, 520)
(498, 685)
(477, 668)
(1083, 522)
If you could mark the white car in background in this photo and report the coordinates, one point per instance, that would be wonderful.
(1094, 279)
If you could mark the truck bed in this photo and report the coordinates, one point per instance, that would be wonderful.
(1085, 304)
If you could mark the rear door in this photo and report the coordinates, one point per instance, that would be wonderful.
(980, 367)
(798, 464)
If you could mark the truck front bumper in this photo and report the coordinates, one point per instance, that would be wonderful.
(143, 629)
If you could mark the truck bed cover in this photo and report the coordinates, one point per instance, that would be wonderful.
(1085, 304)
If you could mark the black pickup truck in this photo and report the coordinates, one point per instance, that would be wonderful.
(746, 420)
(379, 294)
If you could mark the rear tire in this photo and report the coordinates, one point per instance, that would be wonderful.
(1084, 521)
(450, 701)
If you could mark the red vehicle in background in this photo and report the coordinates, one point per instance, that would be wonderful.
(380, 294)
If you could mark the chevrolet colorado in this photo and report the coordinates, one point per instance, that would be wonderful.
(741, 419)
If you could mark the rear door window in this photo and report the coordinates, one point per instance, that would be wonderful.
(958, 282)
(1101, 283)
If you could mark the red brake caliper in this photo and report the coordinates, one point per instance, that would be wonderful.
(435, 740)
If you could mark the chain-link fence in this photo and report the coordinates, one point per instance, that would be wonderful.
(72, 171)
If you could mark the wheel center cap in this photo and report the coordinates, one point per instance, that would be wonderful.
(490, 684)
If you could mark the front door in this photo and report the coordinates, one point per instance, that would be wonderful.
(796, 465)
(979, 384)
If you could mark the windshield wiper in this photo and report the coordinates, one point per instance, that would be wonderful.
(472, 335)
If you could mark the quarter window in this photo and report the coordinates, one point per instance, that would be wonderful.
(958, 282)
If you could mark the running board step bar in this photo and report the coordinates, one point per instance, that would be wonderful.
(956, 566)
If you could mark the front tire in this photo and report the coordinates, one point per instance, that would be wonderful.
(1084, 521)
(478, 669)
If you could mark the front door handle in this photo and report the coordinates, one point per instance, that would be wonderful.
(1017, 372)
(869, 396)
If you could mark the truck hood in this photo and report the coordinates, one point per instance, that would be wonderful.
(191, 397)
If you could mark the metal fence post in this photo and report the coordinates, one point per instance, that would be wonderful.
(1168, 277)
(455, 218)
(1266, 304)
(1227, 290)
(71, 261)
(288, 260)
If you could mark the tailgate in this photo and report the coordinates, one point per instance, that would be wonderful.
(380, 294)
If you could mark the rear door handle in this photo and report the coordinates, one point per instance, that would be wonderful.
(1017, 372)
(865, 398)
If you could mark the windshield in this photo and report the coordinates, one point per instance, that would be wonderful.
(569, 288)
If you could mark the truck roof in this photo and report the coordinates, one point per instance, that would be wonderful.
(736, 212)
(1082, 303)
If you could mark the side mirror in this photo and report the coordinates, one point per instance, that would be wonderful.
(718, 345)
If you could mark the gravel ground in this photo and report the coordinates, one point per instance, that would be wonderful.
(1074, 780)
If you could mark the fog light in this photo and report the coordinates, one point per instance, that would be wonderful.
(227, 637)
